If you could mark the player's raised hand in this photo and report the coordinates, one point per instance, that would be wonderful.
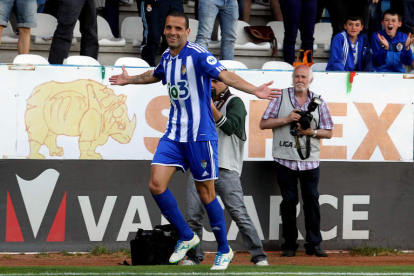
(266, 92)
(120, 79)
(409, 41)
(383, 41)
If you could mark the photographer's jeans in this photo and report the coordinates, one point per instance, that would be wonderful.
(228, 14)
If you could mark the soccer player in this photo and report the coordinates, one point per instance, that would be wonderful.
(190, 140)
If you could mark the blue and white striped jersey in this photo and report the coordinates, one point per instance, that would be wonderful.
(188, 77)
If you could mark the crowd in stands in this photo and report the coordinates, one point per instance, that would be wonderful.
(359, 42)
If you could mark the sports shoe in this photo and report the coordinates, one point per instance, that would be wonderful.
(189, 262)
(262, 263)
(182, 247)
(222, 261)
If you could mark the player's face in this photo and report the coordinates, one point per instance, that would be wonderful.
(391, 24)
(353, 28)
(301, 79)
(175, 32)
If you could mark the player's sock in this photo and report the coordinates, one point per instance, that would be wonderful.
(218, 225)
(169, 208)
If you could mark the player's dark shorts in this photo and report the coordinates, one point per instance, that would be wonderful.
(200, 157)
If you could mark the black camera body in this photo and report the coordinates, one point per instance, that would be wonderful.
(305, 117)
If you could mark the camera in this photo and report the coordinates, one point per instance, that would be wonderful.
(305, 117)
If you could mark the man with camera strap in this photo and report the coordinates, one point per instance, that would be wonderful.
(298, 115)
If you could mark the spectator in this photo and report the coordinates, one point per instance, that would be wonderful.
(291, 165)
(153, 14)
(298, 15)
(25, 11)
(111, 14)
(274, 4)
(405, 8)
(69, 11)
(228, 13)
(229, 113)
(350, 49)
(391, 48)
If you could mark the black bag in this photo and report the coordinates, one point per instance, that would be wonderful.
(260, 34)
(154, 247)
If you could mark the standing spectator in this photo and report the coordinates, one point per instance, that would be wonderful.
(229, 113)
(298, 15)
(274, 4)
(40, 5)
(228, 14)
(153, 14)
(290, 164)
(111, 14)
(406, 9)
(69, 11)
(26, 18)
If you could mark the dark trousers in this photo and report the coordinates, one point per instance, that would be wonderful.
(406, 9)
(297, 15)
(288, 183)
(111, 14)
(337, 11)
(153, 14)
(69, 11)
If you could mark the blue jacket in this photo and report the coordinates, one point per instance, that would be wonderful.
(390, 60)
(341, 57)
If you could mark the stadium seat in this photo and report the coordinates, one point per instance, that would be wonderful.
(319, 67)
(29, 59)
(131, 61)
(105, 36)
(46, 26)
(233, 64)
(193, 30)
(323, 34)
(278, 65)
(132, 30)
(243, 41)
(81, 60)
(8, 36)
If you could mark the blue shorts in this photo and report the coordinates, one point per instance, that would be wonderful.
(201, 157)
(26, 12)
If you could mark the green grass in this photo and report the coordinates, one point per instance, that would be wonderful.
(287, 270)
(99, 250)
(375, 251)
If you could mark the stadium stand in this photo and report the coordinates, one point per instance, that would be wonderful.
(81, 60)
(46, 26)
(193, 30)
(319, 67)
(233, 64)
(105, 36)
(278, 65)
(29, 59)
(8, 36)
(323, 35)
(131, 30)
(131, 61)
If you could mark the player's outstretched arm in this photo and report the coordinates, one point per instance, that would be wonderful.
(262, 92)
(124, 78)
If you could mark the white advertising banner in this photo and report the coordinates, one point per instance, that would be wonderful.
(69, 112)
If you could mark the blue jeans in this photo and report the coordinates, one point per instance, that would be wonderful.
(228, 13)
(229, 188)
(25, 12)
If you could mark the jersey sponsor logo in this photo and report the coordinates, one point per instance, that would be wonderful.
(211, 60)
(179, 91)
(399, 47)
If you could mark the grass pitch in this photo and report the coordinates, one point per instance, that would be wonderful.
(205, 270)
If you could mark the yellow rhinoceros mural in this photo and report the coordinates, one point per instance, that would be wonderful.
(83, 108)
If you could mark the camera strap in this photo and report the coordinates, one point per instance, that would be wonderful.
(307, 147)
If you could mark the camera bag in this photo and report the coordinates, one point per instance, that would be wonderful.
(153, 247)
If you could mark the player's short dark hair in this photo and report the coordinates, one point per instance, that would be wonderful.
(182, 15)
(354, 17)
(392, 12)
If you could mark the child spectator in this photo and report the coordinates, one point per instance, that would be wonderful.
(350, 48)
(26, 18)
(391, 48)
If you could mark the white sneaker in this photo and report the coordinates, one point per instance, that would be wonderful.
(222, 261)
(262, 263)
(182, 247)
(189, 262)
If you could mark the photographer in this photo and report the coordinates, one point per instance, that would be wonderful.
(284, 116)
